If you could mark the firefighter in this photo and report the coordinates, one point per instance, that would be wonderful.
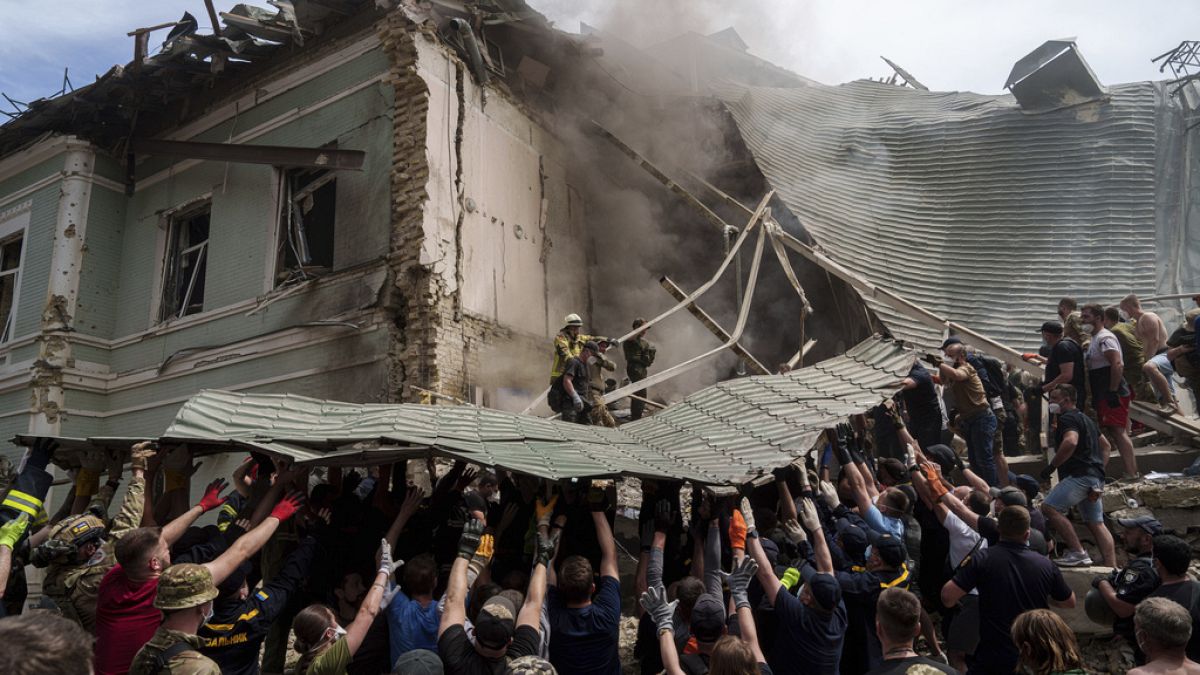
(26, 497)
(568, 342)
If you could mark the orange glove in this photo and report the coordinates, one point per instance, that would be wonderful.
(1029, 356)
(737, 530)
(933, 476)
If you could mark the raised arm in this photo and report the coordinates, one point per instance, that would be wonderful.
(535, 595)
(739, 583)
(975, 481)
(604, 536)
(10, 534)
(654, 601)
(454, 608)
(248, 544)
(212, 499)
(812, 522)
(412, 502)
(356, 632)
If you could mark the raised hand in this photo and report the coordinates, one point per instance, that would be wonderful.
(212, 498)
(739, 581)
(288, 506)
(748, 515)
(808, 515)
(468, 542)
(654, 601)
(386, 564)
(10, 532)
(793, 531)
(544, 509)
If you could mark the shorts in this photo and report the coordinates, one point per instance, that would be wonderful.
(1109, 416)
(962, 635)
(1074, 492)
(1165, 367)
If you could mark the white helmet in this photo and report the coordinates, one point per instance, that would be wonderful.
(572, 320)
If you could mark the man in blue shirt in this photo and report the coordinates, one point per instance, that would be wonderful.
(412, 615)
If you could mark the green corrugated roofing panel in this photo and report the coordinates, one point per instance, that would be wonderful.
(726, 433)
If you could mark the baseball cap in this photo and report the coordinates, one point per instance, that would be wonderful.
(1052, 327)
(944, 456)
(770, 548)
(591, 346)
(419, 662)
(529, 665)
(1148, 524)
(952, 340)
(1028, 485)
(853, 540)
(708, 618)
(1189, 319)
(891, 549)
(823, 586)
(496, 623)
(1037, 541)
(1010, 496)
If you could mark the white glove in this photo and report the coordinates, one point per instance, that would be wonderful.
(808, 515)
(829, 494)
(793, 531)
(386, 564)
(388, 593)
(748, 515)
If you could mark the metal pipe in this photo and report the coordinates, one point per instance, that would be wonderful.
(471, 46)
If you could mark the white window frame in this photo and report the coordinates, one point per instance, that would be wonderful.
(15, 222)
(165, 221)
(280, 219)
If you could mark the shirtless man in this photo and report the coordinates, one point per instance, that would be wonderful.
(1163, 627)
(1157, 367)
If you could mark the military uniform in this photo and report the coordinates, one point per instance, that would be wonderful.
(1133, 357)
(599, 414)
(189, 661)
(181, 586)
(73, 585)
(639, 356)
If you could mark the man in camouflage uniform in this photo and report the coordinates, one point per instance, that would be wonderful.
(77, 552)
(639, 356)
(1132, 354)
(568, 343)
(599, 412)
(185, 596)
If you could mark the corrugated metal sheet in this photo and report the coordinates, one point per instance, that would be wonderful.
(966, 205)
(726, 433)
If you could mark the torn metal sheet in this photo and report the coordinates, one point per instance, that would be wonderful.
(1054, 76)
(728, 433)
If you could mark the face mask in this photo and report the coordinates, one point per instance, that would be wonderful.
(1088, 329)
(591, 360)
(1054, 408)
(208, 615)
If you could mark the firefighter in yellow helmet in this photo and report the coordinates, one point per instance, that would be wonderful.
(569, 342)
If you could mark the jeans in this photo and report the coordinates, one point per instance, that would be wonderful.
(1076, 491)
(980, 430)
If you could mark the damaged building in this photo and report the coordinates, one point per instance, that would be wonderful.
(398, 202)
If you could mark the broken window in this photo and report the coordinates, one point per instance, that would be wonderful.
(10, 269)
(308, 201)
(185, 262)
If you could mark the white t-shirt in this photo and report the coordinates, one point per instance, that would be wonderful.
(1103, 341)
(962, 540)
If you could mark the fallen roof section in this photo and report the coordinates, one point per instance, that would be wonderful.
(728, 433)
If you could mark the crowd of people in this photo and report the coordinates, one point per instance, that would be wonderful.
(882, 550)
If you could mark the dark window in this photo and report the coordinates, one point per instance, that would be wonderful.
(185, 263)
(307, 213)
(10, 270)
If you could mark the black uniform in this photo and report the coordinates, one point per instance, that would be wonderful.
(860, 591)
(1133, 583)
(236, 631)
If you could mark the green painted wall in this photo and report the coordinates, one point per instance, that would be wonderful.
(35, 270)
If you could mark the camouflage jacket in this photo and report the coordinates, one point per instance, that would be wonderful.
(639, 355)
(596, 373)
(188, 662)
(73, 587)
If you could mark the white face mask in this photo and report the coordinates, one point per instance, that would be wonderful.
(1088, 329)
(1054, 408)
(591, 360)
(338, 632)
(208, 613)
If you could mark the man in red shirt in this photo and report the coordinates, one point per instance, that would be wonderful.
(125, 614)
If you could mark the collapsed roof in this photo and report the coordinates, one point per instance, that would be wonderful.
(728, 433)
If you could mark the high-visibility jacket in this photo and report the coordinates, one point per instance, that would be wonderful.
(27, 496)
(564, 349)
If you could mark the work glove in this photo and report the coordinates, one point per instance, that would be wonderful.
(748, 516)
(543, 510)
(664, 515)
(11, 532)
(468, 542)
(808, 515)
(42, 451)
(212, 498)
(790, 578)
(545, 550)
(829, 494)
(737, 530)
(841, 449)
(739, 581)
(140, 454)
(386, 564)
(654, 601)
(389, 594)
(481, 559)
(780, 474)
(578, 402)
(932, 359)
(50, 551)
(1113, 399)
(793, 531)
(933, 478)
(287, 507)
(1047, 472)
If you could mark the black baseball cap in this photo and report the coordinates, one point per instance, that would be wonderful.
(1052, 327)
(1010, 496)
(952, 340)
(708, 618)
(853, 540)
(823, 586)
(1028, 485)
(944, 456)
(891, 548)
(1149, 524)
(591, 346)
(496, 623)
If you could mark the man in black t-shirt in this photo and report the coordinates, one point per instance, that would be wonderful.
(501, 632)
(1172, 556)
(897, 623)
(1011, 579)
(1065, 363)
(1079, 460)
(569, 395)
(925, 418)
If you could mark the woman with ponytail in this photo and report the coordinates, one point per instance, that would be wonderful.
(325, 647)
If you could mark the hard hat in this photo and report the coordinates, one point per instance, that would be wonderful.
(572, 320)
(1097, 608)
(78, 530)
(184, 585)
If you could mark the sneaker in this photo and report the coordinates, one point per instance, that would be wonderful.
(1074, 559)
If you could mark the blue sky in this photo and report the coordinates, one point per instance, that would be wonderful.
(948, 44)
